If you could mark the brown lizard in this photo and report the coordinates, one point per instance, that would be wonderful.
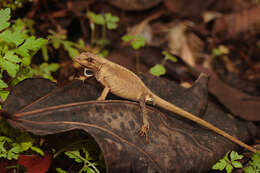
(124, 83)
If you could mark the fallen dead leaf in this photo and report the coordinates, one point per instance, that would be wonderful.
(35, 163)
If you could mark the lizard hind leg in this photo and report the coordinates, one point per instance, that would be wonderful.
(145, 127)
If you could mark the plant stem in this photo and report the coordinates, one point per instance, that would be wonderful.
(164, 61)
(104, 31)
(86, 161)
(137, 61)
(92, 27)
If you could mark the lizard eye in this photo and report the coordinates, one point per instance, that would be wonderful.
(90, 59)
(88, 72)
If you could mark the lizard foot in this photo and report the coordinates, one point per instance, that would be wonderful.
(100, 98)
(144, 131)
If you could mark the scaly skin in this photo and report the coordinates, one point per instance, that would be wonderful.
(124, 83)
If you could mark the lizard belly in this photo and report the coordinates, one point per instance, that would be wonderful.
(122, 82)
(127, 90)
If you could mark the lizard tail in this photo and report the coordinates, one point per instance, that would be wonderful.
(170, 107)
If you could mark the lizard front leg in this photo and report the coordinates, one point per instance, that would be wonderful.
(105, 90)
(104, 94)
(145, 127)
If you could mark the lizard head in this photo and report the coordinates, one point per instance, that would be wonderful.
(90, 61)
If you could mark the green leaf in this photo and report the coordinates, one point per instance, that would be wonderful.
(220, 50)
(235, 156)
(111, 26)
(30, 44)
(10, 56)
(102, 42)
(90, 15)
(3, 151)
(88, 170)
(4, 138)
(229, 168)
(26, 61)
(10, 67)
(168, 56)
(220, 165)
(237, 164)
(81, 44)
(26, 145)
(104, 53)
(127, 38)
(158, 70)
(111, 21)
(20, 26)
(45, 70)
(110, 18)
(226, 156)
(15, 37)
(59, 170)
(138, 42)
(99, 19)
(96, 18)
(71, 50)
(3, 84)
(249, 169)
(25, 73)
(51, 67)
(4, 94)
(256, 160)
(4, 18)
(56, 42)
(13, 153)
(74, 155)
(37, 150)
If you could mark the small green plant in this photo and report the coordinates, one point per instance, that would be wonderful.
(11, 150)
(13, 4)
(59, 170)
(86, 153)
(60, 38)
(17, 48)
(159, 69)
(254, 164)
(220, 50)
(87, 165)
(136, 42)
(107, 21)
(229, 162)
(13, 142)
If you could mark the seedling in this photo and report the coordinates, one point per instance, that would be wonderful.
(60, 38)
(13, 142)
(136, 42)
(254, 164)
(159, 69)
(107, 21)
(220, 50)
(229, 162)
(87, 165)
(17, 47)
